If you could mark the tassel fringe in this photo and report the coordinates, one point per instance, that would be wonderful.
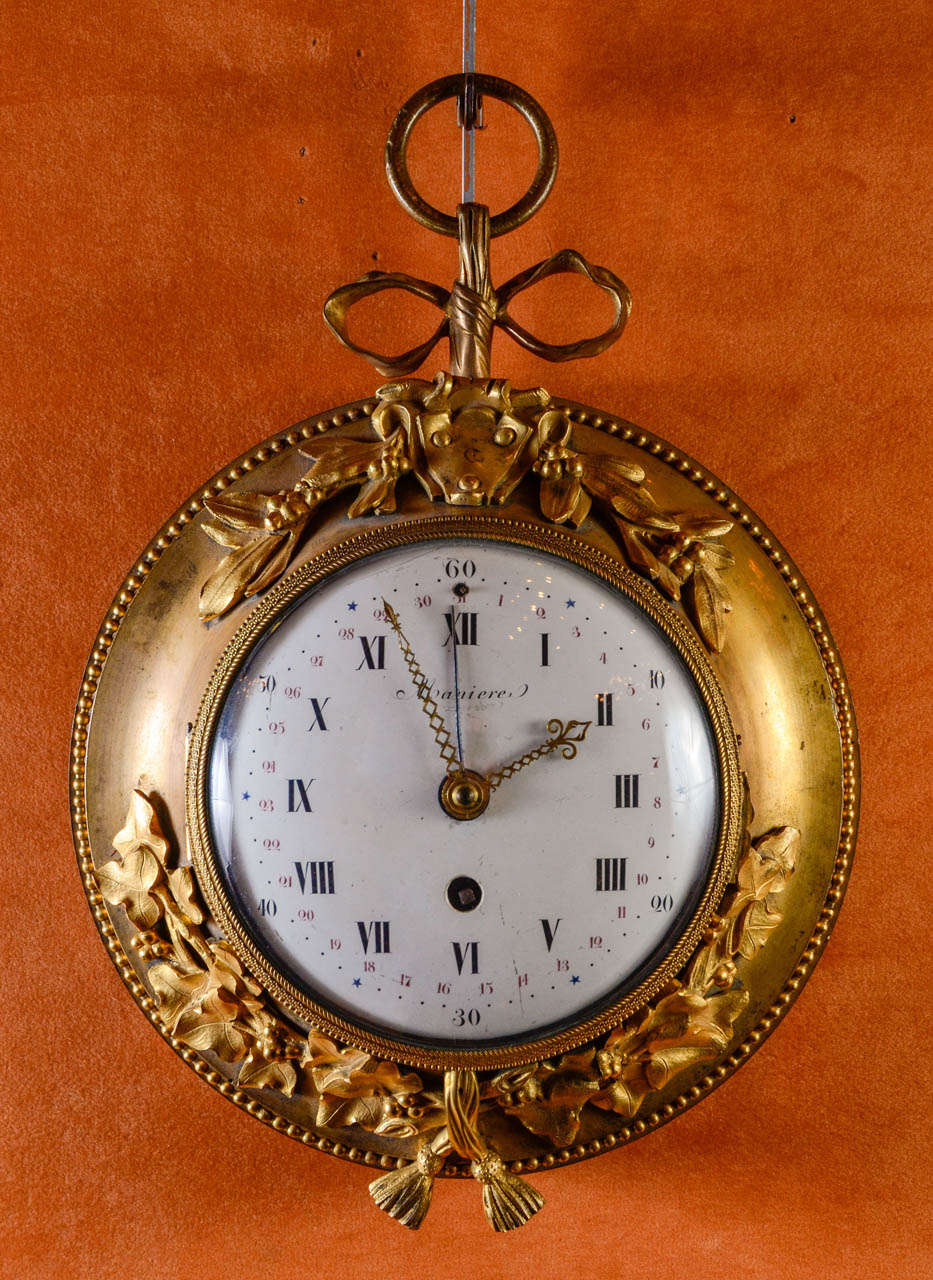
(509, 1201)
(405, 1194)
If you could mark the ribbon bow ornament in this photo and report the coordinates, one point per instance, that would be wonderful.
(473, 309)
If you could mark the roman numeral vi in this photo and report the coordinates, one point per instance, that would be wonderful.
(461, 952)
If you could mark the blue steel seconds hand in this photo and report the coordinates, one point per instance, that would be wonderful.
(453, 638)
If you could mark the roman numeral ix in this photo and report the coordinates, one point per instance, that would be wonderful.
(299, 801)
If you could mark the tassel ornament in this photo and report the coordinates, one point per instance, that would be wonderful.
(509, 1201)
(405, 1194)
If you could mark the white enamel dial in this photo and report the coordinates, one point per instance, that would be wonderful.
(355, 883)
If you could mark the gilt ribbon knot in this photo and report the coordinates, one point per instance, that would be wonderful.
(473, 309)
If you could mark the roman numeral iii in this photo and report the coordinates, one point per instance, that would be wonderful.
(627, 790)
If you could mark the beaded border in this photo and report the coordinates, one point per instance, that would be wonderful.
(845, 718)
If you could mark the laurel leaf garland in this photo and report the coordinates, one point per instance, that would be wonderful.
(228, 584)
(709, 605)
(679, 551)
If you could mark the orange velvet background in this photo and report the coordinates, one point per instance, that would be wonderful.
(184, 182)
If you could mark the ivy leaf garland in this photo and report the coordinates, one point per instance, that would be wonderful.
(691, 1024)
(204, 996)
(208, 1002)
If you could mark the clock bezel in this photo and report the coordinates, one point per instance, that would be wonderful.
(127, 685)
(459, 527)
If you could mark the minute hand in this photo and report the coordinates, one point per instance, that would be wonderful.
(423, 692)
(564, 738)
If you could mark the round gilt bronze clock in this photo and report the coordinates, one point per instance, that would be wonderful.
(465, 780)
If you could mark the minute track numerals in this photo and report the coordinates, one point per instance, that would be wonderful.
(351, 900)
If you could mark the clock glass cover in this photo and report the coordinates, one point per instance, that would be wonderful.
(341, 862)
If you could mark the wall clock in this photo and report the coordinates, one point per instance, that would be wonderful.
(465, 780)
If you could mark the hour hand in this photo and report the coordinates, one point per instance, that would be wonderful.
(423, 692)
(563, 738)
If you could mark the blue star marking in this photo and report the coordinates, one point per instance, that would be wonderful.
(574, 980)
(571, 604)
(357, 982)
(245, 795)
(352, 605)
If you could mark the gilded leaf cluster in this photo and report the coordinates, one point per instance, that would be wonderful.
(679, 551)
(207, 1001)
(205, 998)
(690, 1025)
(355, 1088)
